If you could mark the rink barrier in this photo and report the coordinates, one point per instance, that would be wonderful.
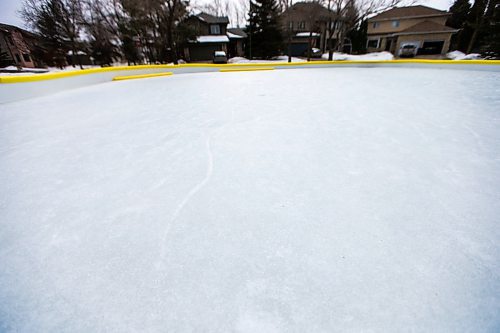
(143, 76)
(15, 88)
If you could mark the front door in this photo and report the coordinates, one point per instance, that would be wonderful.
(388, 44)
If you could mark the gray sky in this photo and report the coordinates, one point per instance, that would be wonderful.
(9, 9)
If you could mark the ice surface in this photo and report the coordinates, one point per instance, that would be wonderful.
(310, 200)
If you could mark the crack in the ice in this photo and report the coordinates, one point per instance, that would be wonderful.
(199, 186)
(193, 191)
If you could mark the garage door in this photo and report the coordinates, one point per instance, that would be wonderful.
(299, 49)
(434, 47)
(203, 52)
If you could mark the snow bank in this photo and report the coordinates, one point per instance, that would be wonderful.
(457, 55)
(241, 60)
(339, 56)
(277, 201)
(13, 70)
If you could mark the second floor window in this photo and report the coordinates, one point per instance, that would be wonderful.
(215, 29)
(302, 25)
(395, 24)
(375, 25)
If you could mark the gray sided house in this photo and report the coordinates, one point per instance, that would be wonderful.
(307, 25)
(211, 36)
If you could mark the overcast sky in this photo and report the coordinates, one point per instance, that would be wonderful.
(9, 9)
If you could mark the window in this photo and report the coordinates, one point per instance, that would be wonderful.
(395, 24)
(302, 25)
(215, 29)
(373, 43)
(18, 58)
(26, 57)
(376, 25)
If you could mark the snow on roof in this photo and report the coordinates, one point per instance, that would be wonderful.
(306, 34)
(238, 31)
(231, 35)
(212, 39)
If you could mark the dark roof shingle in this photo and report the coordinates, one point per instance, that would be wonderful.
(238, 31)
(213, 19)
(426, 27)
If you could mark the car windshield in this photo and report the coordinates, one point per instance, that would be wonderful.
(220, 53)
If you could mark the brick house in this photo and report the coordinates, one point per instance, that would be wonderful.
(420, 26)
(18, 44)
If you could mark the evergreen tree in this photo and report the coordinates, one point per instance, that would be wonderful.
(265, 39)
(459, 12)
(359, 37)
(458, 19)
(490, 42)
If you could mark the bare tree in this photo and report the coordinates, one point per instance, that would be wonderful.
(59, 20)
(348, 14)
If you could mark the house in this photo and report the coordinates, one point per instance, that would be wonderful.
(237, 39)
(307, 21)
(211, 36)
(18, 45)
(420, 26)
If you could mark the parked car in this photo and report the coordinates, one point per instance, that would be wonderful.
(220, 57)
(408, 51)
(315, 53)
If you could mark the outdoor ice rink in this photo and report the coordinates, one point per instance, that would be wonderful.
(304, 200)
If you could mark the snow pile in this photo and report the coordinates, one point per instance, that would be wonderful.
(13, 70)
(9, 68)
(339, 56)
(241, 60)
(457, 55)
(316, 200)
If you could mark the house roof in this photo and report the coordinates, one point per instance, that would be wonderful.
(315, 8)
(410, 11)
(427, 27)
(213, 19)
(8, 28)
(237, 32)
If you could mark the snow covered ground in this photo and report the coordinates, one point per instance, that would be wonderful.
(311, 200)
(241, 60)
(339, 56)
(457, 55)
(12, 70)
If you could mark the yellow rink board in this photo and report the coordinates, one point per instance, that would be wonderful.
(246, 69)
(239, 67)
(142, 76)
